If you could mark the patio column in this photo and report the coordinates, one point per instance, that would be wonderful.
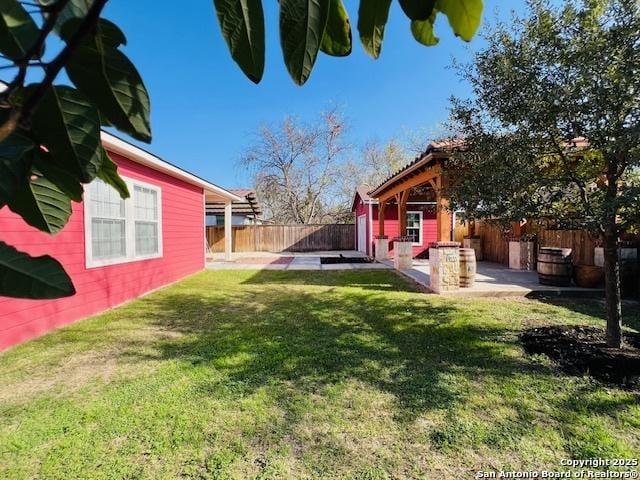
(401, 199)
(382, 242)
(228, 231)
(444, 218)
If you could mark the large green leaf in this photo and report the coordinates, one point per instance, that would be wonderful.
(109, 79)
(42, 204)
(336, 40)
(464, 16)
(418, 9)
(74, 9)
(24, 276)
(69, 126)
(18, 31)
(372, 18)
(302, 25)
(45, 165)
(422, 31)
(14, 165)
(242, 25)
(109, 174)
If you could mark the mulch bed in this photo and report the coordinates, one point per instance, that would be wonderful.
(583, 351)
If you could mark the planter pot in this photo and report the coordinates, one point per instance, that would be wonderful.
(628, 269)
(382, 248)
(475, 243)
(403, 258)
(588, 276)
(522, 255)
(555, 267)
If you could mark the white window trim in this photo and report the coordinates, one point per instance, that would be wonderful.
(130, 240)
(420, 214)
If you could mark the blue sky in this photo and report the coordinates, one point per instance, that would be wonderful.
(204, 110)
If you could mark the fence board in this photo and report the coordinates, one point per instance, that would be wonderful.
(281, 238)
(496, 246)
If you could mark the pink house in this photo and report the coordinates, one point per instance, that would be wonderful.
(113, 249)
(421, 221)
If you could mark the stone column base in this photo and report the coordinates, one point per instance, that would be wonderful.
(403, 258)
(444, 261)
(522, 255)
(382, 248)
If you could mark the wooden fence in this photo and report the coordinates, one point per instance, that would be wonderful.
(284, 238)
(495, 245)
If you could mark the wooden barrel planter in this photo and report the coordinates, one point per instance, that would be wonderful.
(467, 267)
(555, 267)
(588, 276)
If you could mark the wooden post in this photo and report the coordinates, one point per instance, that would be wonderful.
(228, 231)
(443, 215)
(381, 218)
(402, 198)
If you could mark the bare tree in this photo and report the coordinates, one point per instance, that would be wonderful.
(375, 163)
(296, 167)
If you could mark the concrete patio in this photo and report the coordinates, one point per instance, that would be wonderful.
(492, 280)
(496, 280)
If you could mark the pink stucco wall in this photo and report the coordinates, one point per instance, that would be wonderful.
(101, 288)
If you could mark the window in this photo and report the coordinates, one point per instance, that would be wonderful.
(108, 223)
(146, 220)
(119, 231)
(414, 227)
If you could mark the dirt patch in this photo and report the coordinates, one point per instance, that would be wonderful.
(583, 350)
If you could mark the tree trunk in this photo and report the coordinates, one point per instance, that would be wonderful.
(612, 291)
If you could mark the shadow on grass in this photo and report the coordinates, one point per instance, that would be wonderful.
(595, 307)
(282, 335)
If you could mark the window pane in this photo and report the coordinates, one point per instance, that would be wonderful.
(105, 201)
(146, 238)
(108, 238)
(146, 203)
(413, 227)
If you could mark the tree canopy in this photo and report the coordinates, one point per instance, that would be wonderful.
(553, 128)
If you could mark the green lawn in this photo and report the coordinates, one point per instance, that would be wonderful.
(245, 374)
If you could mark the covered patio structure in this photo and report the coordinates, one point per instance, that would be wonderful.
(426, 175)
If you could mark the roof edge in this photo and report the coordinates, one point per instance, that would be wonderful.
(143, 157)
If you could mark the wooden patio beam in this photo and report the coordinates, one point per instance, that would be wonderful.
(410, 182)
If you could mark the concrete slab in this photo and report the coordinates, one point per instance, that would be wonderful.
(371, 266)
(495, 280)
(337, 266)
(297, 261)
(304, 267)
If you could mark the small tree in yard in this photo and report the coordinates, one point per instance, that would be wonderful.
(553, 129)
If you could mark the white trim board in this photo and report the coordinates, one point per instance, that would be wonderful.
(145, 158)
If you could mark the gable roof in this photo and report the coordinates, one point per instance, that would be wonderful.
(362, 192)
(143, 157)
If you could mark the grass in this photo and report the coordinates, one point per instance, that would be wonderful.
(245, 374)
